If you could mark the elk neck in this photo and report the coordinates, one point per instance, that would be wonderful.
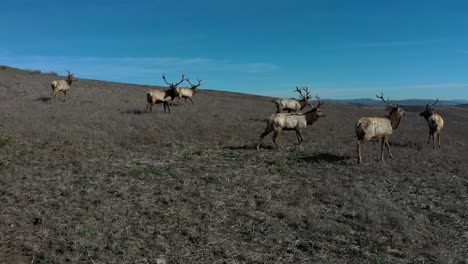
(303, 103)
(426, 114)
(69, 81)
(395, 118)
(311, 116)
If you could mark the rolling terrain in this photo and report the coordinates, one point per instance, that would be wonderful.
(94, 179)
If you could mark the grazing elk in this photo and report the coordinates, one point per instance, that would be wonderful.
(187, 93)
(435, 123)
(292, 104)
(157, 97)
(278, 122)
(368, 128)
(62, 85)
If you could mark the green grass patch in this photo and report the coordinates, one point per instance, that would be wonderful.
(231, 155)
(211, 179)
(88, 229)
(3, 164)
(81, 184)
(6, 140)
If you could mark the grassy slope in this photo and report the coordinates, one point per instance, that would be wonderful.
(95, 180)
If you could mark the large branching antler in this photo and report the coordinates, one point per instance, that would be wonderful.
(302, 96)
(172, 84)
(385, 101)
(194, 86)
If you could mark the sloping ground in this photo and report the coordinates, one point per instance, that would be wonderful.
(96, 180)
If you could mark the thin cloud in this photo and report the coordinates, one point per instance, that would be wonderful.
(134, 69)
(361, 45)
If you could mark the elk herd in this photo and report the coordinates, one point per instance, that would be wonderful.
(366, 128)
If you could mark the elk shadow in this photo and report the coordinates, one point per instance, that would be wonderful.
(247, 147)
(323, 157)
(43, 99)
(134, 111)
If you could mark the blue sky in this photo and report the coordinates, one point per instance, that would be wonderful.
(340, 49)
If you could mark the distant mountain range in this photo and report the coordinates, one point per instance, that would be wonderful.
(371, 102)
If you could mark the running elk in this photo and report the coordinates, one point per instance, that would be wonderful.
(435, 123)
(368, 128)
(163, 97)
(187, 93)
(292, 104)
(278, 122)
(62, 85)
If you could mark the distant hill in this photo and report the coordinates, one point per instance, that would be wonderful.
(371, 102)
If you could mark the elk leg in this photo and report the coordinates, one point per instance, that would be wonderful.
(359, 159)
(438, 138)
(382, 149)
(168, 108)
(300, 138)
(429, 138)
(275, 138)
(388, 148)
(433, 140)
(266, 132)
(191, 101)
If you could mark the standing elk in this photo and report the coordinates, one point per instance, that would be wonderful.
(62, 85)
(278, 122)
(368, 128)
(435, 123)
(292, 104)
(157, 97)
(187, 93)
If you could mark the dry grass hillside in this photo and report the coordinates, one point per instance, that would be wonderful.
(95, 180)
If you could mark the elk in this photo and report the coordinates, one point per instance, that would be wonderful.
(62, 85)
(368, 128)
(292, 104)
(187, 93)
(157, 97)
(278, 122)
(435, 123)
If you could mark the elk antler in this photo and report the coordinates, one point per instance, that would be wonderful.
(164, 78)
(385, 101)
(318, 101)
(430, 107)
(181, 80)
(306, 90)
(194, 86)
(69, 72)
(172, 84)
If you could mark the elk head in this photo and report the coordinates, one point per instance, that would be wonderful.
(194, 87)
(317, 107)
(173, 86)
(396, 112)
(70, 77)
(394, 108)
(304, 98)
(429, 109)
